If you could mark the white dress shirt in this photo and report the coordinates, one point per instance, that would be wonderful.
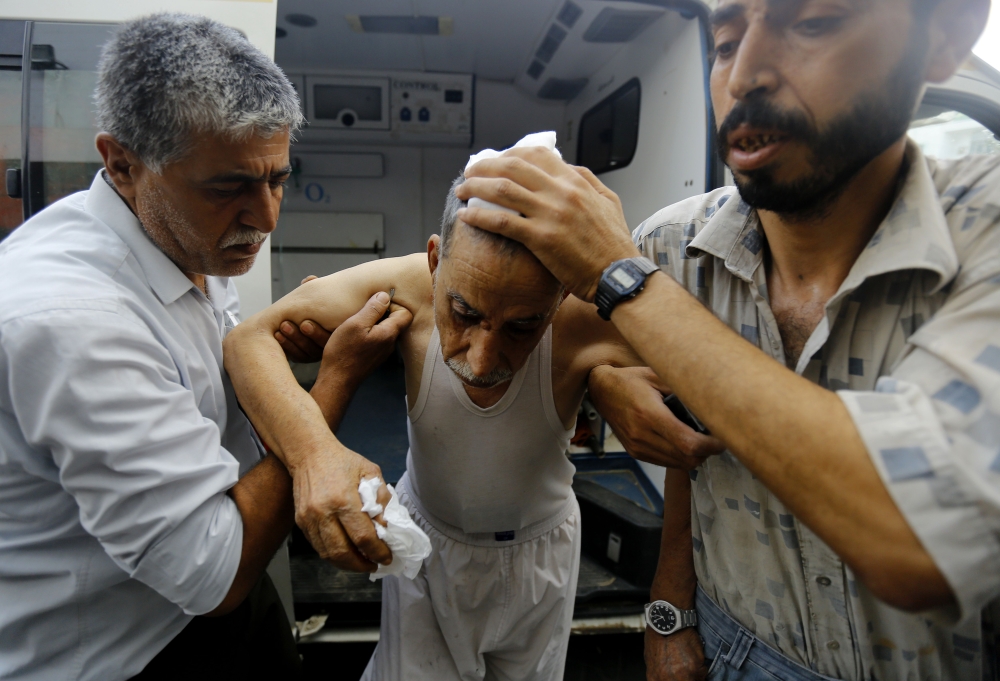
(119, 436)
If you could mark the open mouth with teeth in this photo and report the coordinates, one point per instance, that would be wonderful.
(752, 143)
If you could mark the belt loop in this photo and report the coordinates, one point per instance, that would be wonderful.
(740, 649)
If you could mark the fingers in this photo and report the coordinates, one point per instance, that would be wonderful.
(501, 191)
(296, 345)
(649, 376)
(368, 316)
(308, 278)
(530, 167)
(314, 332)
(333, 544)
(393, 325)
(361, 531)
(501, 222)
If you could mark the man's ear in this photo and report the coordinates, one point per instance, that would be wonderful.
(433, 253)
(954, 28)
(122, 166)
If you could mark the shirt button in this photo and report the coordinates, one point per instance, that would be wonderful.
(833, 645)
(823, 580)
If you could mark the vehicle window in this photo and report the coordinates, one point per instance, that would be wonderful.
(945, 133)
(609, 131)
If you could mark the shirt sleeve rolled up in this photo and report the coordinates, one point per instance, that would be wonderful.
(932, 429)
(99, 394)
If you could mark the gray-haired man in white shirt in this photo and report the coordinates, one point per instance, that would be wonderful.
(133, 492)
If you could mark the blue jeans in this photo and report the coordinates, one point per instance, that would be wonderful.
(737, 655)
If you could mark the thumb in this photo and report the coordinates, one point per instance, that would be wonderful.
(373, 310)
(398, 320)
(649, 376)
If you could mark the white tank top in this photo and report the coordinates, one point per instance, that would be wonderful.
(497, 469)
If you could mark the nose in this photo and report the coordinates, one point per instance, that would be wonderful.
(483, 355)
(753, 71)
(261, 209)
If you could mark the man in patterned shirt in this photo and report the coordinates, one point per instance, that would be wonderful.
(851, 527)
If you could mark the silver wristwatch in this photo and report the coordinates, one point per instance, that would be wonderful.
(666, 618)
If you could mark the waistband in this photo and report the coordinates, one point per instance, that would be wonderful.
(745, 647)
(487, 539)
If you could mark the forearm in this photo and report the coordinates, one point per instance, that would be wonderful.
(285, 416)
(333, 395)
(675, 579)
(264, 499)
(796, 437)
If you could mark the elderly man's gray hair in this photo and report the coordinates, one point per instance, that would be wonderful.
(166, 77)
(452, 204)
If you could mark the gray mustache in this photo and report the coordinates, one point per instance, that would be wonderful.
(244, 237)
(464, 371)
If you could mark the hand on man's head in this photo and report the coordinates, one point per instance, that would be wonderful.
(571, 222)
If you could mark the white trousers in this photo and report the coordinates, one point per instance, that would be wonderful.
(481, 608)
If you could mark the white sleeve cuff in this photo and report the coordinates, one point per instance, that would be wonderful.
(934, 488)
(195, 564)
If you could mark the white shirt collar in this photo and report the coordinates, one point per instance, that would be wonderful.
(163, 275)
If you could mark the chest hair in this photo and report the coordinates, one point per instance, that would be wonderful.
(796, 324)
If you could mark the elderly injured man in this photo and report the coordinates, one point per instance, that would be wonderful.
(496, 359)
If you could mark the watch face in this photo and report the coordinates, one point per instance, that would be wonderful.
(662, 617)
(623, 278)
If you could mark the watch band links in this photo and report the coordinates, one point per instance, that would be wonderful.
(685, 618)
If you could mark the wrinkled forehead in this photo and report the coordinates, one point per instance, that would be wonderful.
(502, 286)
(778, 11)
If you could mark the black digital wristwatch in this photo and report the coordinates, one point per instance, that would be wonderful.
(622, 280)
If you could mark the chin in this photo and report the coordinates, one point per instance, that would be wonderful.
(234, 268)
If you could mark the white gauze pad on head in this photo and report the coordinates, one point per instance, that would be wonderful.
(408, 543)
(535, 139)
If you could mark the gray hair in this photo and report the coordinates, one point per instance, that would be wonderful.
(168, 76)
(452, 204)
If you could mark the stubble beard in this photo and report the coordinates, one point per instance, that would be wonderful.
(169, 229)
(836, 154)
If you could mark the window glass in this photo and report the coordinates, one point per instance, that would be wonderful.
(61, 150)
(945, 133)
(609, 131)
(10, 145)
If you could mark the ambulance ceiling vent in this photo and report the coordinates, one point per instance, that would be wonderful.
(400, 24)
(562, 88)
(618, 26)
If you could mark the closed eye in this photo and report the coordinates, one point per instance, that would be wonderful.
(466, 318)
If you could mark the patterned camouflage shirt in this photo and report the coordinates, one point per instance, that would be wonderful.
(911, 343)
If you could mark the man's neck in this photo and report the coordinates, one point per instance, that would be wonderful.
(808, 259)
(199, 281)
(818, 252)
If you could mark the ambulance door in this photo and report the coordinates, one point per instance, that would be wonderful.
(960, 117)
